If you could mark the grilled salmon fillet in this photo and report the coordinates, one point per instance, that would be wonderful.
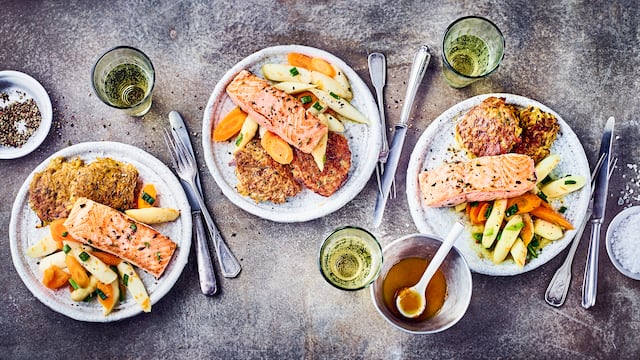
(110, 230)
(276, 110)
(480, 179)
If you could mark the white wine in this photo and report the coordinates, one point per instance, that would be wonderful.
(126, 85)
(350, 258)
(468, 55)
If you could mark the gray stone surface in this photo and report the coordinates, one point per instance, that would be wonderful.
(578, 57)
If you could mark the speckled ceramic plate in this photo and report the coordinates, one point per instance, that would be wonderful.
(364, 141)
(23, 233)
(21, 87)
(435, 147)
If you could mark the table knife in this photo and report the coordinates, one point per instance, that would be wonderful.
(590, 283)
(419, 67)
(206, 273)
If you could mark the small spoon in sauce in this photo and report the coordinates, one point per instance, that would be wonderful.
(411, 301)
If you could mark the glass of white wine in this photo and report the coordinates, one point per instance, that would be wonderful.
(350, 258)
(123, 78)
(472, 49)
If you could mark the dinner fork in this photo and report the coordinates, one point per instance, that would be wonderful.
(559, 285)
(185, 166)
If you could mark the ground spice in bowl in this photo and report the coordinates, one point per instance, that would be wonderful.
(18, 121)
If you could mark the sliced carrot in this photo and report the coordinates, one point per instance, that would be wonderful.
(107, 258)
(484, 209)
(549, 214)
(109, 295)
(78, 273)
(526, 234)
(323, 66)
(275, 146)
(478, 211)
(147, 197)
(525, 203)
(309, 100)
(55, 278)
(230, 125)
(59, 232)
(298, 59)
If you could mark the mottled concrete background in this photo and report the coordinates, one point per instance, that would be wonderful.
(578, 57)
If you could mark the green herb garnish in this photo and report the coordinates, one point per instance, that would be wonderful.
(512, 210)
(125, 280)
(73, 284)
(569, 182)
(84, 256)
(102, 295)
(66, 248)
(562, 210)
(294, 71)
(317, 106)
(333, 95)
(239, 139)
(306, 99)
(148, 198)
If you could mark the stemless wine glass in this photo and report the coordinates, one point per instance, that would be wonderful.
(123, 78)
(472, 49)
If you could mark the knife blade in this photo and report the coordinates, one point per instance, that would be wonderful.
(418, 69)
(206, 273)
(590, 282)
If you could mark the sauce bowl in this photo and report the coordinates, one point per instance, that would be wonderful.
(457, 276)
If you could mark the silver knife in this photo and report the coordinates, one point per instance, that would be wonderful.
(206, 274)
(590, 283)
(419, 67)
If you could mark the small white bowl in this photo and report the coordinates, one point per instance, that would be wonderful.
(618, 227)
(13, 81)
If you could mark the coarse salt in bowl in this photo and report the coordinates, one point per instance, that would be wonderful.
(623, 242)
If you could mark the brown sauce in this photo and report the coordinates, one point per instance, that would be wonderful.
(406, 273)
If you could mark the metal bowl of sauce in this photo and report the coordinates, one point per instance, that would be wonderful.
(448, 293)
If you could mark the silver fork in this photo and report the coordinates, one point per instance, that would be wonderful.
(185, 166)
(559, 285)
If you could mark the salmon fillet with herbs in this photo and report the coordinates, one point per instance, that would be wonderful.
(277, 111)
(109, 230)
(480, 179)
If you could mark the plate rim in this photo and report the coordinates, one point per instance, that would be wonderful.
(357, 183)
(165, 283)
(415, 207)
(30, 85)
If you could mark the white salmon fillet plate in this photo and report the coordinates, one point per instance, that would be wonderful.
(277, 111)
(109, 230)
(480, 179)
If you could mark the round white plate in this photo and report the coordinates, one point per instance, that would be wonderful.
(22, 87)
(617, 228)
(435, 147)
(364, 141)
(23, 233)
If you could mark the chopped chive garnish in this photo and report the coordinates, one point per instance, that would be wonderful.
(306, 99)
(133, 227)
(239, 139)
(83, 256)
(477, 237)
(562, 210)
(102, 295)
(512, 210)
(294, 71)
(569, 182)
(158, 256)
(543, 196)
(333, 95)
(73, 284)
(66, 248)
(488, 212)
(148, 198)
(146, 243)
(125, 280)
(473, 203)
(65, 233)
(114, 268)
(317, 106)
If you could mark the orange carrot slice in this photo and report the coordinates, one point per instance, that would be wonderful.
(307, 98)
(230, 125)
(301, 60)
(525, 202)
(107, 258)
(275, 146)
(552, 216)
(55, 278)
(108, 295)
(147, 197)
(78, 273)
(59, 232)
(323, 66)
